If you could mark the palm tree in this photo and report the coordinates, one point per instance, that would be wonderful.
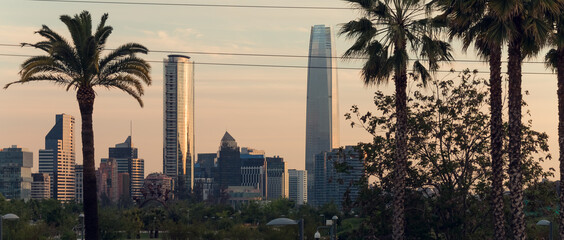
(385, 34)
(475, 22)
(555, 60)
(80, 66)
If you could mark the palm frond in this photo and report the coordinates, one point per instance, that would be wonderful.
(551, 59)
(122, 51)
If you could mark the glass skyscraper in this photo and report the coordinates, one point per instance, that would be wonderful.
(178, 120)
(322, 112)
(58, 158)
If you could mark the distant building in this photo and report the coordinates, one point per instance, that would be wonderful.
(58, 158)
(331, 185)
(79, 182)
(243, 194)
(156, 186)
(322, 110)
(297, 186)
(15, 173)
(178, 120)
(124, 186)
(107, 180)
(253, 169)
(276, 178)
(207, 162)
(228, 163)
(126, 157)
(41, 186)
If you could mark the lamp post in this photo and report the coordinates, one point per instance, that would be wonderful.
(546, 223)
(334, 228)
(9, 216)
(81, 218)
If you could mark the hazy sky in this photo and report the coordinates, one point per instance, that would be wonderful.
(262, 108)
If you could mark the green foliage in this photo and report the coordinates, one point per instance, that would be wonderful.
(449, 160)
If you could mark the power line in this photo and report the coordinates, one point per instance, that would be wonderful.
(275, 55)
(283, 66)
(197, 5)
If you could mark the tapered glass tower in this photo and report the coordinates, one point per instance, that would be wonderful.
(178, 120)
(322, 112)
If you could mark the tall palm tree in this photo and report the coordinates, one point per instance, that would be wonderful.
(386, 32)
(555, 60)
(80, 66)
(473, 21)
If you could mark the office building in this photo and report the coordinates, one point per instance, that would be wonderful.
(126, 157)
(79, 183)
(330, 185)
(297, 186)
(15, 173)
(58, 158)
(178, 120)
(107, 180)
(207, 162)
(276, 178)
(322, 112)
(41, 186)
(124, 186)
(228, 171)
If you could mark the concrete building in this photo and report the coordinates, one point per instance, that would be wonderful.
(243, 194)
(297, 186)
(15, 173)
(107, 180)
(330, 184)
(253, 169)
(41, 186)
(178, 120)
(322, 112)
(228, 171)
(58, 158)
(79, 182)
(276, 178)
(128, 161)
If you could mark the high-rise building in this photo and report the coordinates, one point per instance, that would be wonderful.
(15, 172)
(330, 184)
(178, 120)
(41, 186)
(207, 162)
(79, 182)
(322, 112)
(58, 158)
(107, 180)
(128, 162)
(228, 171)
(297, 186)
(276, 178)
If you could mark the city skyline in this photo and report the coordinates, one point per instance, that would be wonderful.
(266, 106)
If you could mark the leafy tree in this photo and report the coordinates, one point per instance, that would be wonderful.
(385, 34)
(449, 174)
(80, 65)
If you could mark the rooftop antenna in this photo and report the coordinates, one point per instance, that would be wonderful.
(130, 133)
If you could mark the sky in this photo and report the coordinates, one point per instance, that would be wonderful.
(262, 108)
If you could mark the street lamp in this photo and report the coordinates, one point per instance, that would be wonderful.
(9, 216)
(317, 235)
(287, 221)
(81, 218)
(546, 223)
(334, 228)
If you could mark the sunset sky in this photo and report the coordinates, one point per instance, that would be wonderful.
(261, 107)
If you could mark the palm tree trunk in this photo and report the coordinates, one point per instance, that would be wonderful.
(514, 149)
(400, 166)
(85, 97)
(560, 72)
(496, 129)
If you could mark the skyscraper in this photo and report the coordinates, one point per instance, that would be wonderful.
(79, 182)
(228, 163)
(178, 120)
(128, 162)
(15, 173)
(276, 178)
(40, 187)
(297, 186)
(58, 158)
(322, 112)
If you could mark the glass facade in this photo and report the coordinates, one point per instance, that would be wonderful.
(322, 112)
(15, 173)
(178, 117)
